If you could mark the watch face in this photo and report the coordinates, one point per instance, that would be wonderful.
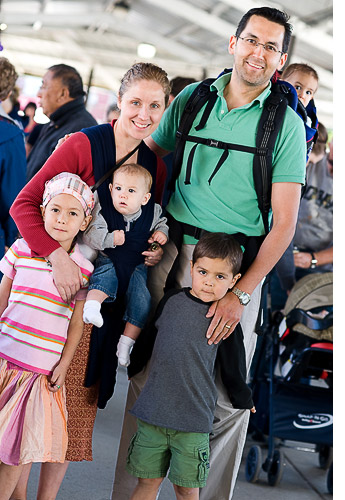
(245, 299)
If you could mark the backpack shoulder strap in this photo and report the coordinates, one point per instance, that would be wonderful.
(200, 95)
(268, 128)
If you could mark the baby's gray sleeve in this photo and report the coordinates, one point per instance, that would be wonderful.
(97, 235)
(159, 223)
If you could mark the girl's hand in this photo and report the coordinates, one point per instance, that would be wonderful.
(57, 380)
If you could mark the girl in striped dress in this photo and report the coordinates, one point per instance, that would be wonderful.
(39, 334)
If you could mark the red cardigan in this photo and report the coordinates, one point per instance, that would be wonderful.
(73, 156)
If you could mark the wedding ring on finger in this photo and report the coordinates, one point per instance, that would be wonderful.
(227, 326)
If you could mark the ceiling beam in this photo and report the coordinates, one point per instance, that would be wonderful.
(315, 37)
(195, 15)
(62, 22)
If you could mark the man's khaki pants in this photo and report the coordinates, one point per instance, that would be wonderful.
(229, 427)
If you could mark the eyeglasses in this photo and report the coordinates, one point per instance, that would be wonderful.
(268, 47)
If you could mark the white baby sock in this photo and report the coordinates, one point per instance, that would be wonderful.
(124, 347)
(92, 313)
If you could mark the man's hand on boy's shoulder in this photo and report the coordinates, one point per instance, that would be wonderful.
(226, 314)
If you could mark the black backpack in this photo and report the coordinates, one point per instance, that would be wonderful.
(282, 95)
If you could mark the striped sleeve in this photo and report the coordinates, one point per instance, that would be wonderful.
(7, 263)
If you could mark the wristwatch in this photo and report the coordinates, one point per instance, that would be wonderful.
(313, 262)
(243, 297)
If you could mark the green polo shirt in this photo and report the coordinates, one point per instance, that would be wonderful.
(229, 202)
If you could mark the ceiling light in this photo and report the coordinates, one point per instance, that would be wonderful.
(146, 50)
(37, 25)
(3, 26)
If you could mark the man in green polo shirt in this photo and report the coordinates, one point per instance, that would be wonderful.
(226, 200)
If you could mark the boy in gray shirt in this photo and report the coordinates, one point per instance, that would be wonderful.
(175, 408)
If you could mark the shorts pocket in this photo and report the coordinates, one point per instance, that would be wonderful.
(204, 462)
(131, 445)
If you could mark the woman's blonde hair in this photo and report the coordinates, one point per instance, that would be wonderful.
(145, 71)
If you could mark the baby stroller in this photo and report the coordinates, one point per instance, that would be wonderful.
(292, 380)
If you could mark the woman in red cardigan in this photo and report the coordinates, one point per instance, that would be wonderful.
(143, 97)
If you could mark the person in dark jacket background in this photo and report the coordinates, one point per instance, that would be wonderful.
(12, 158)
(62, 100)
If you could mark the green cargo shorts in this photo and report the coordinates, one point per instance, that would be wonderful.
(153, 450)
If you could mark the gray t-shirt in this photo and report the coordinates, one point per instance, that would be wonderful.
(180, 392)
(314, 230)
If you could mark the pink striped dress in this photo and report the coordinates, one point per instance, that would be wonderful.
(33, 332)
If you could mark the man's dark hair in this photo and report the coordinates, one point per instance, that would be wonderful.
(179, 83)
(70, 78)
(219, 246)
(271, 14)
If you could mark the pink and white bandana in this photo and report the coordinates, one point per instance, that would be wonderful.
(67, 183)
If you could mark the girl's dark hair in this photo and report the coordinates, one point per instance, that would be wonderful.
(271, 14)
(70, 78)
(219, 246)
(145, 71)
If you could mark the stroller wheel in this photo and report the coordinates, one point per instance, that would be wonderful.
(330, 479)
(253, 464)
(276, 470)
(325, 456)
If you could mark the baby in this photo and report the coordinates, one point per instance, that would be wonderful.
(130, 191)
(305, 80)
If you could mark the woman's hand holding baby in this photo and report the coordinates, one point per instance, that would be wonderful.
(152, 257)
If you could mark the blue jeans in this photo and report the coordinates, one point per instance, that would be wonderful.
(138, 298)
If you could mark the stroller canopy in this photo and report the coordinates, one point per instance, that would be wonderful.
(311, 292)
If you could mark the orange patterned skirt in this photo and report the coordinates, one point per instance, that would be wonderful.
(81, 403)
(32, 418)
